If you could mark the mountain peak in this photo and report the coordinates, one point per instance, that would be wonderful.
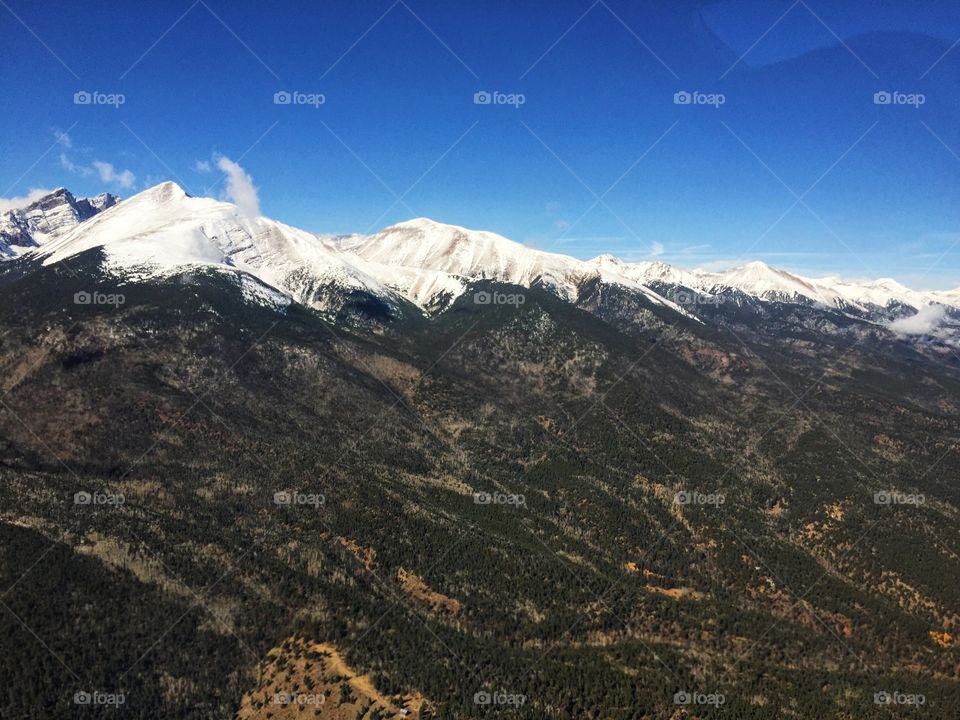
(607, 258)
(418, 222)
(425, 224)
(46, 218)
(756, 268)
(166, 190)
(164, 227)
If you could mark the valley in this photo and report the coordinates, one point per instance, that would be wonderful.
(594, 503)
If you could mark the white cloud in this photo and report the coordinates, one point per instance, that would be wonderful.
(924, 322)
(14, 203)
(109, 174)
(240, 188)
(62, 138)
(656, 249)
(201, 166)
(73, 167)
(106, 171)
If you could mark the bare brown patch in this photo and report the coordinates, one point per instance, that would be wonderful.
(889, 448)
(415, 586)
(367, 556)
(679, 593)
(942, 639)
(834, 512)
(302, 679)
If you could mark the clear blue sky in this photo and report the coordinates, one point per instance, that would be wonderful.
(598, 79)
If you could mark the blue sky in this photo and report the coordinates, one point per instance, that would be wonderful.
(799, 166)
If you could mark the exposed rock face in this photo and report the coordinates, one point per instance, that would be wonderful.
(47, 218)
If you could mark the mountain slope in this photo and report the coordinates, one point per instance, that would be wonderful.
(599, 595)
(477, 255)
(47, 218)
(163, 231)
(415, 266)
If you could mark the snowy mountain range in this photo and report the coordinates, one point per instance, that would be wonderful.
(47, 218)
(163, 231)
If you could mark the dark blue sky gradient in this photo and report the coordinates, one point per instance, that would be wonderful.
(879, 183)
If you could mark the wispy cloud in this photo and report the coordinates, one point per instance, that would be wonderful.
(240, 188)
(70, 165)
(104, 170)
(201, 166)
(924, 322)
(62, 138)
(109, 174)
(15, 203)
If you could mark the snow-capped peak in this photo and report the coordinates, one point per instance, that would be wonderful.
(164, 230)
(455, 255)
(47, 218)
(429, 245)
(759, 279)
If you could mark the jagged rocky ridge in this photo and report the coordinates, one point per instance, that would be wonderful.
(47, 218)
(419, 263)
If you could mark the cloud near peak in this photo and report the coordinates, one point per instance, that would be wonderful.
(925, 321)
(15, 203)
(109, 174)
(106, 171)
(240, 188)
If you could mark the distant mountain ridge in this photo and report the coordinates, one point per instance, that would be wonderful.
(626, 476)
(420, 262)
(49, 217)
